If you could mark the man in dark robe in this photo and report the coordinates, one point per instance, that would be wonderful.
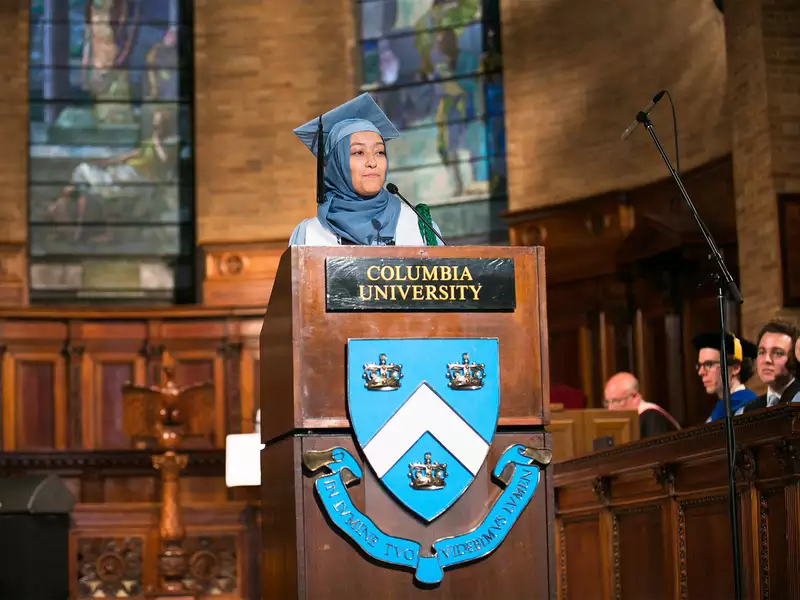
(622, 393)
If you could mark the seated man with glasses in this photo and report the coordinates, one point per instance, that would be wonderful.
(776, 365)
(741, 355)
(622, 393)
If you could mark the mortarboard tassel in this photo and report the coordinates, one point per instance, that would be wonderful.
(320, 165)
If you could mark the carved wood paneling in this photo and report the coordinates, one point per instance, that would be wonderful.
(684, 529)
(109, 567)
(222, 555)
(213, 565)
(240, 274)
(792, 512)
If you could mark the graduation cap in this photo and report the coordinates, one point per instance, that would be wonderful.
(737, 348)
(342, 121)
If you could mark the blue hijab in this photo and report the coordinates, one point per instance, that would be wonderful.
(359, 219)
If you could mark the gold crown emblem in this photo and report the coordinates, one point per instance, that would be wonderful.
(465, 375)
(382, 377)
(427, 475)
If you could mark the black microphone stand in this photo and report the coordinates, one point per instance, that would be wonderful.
(726, 290)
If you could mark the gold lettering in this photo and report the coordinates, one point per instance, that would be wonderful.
(476, 290)
(380, 290)
(430, 292)
(461, 289)
(361, 292)
(452, 292)
(397, 275)
(445, 274)
(415, 277)
(403, 291)
(465, 274)
(386, 273)
(392, 290)
(444, 292)
(429, 273)
(370, 277)
(417, 291)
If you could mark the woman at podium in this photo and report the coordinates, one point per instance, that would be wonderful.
(353, 208)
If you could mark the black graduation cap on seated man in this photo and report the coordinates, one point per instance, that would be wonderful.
(313, 133)
(736, 348)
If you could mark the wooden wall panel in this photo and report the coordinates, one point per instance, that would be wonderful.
(634, 529)
(111, 376)
(703, 528)
(565, 352)
(35, 406)
(62, 371)
(631, 265)
(124, 488)
(774, 534)
(192, 367)
(583, 564)
(34, 413)
(250, 388)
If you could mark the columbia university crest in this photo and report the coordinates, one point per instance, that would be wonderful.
(424, 414)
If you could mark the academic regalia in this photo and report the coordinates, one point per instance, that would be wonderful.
(737, 350)
(343, 216)
(654, 420)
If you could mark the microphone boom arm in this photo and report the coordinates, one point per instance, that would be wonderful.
(392, 189)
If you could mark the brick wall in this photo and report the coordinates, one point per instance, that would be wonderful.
(263, 68)
(14, 121)
(781, 32)
(763, 50)
(576, 73)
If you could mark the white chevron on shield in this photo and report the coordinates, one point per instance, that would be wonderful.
(425, 411)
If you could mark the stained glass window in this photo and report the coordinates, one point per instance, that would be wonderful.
(111, 174)
(435, 68)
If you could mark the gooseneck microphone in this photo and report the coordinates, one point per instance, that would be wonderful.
(640, 116)
(392, 189)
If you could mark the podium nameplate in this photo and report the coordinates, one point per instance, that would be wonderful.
(420, 284)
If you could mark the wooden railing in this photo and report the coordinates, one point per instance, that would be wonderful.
(649, 519)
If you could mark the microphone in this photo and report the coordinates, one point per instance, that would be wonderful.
(642, 114)
(392, 189)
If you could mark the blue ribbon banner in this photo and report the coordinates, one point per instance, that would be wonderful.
(516, 469)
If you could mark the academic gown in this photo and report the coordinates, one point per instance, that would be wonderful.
(739, 399)
(652, 422)
(311, 232)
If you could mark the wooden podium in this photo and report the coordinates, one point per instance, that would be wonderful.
(316, 307)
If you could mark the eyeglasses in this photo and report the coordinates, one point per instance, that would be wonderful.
(609, 402)
(707, 365)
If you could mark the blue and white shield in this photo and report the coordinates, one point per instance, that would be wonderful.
(424, 412)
